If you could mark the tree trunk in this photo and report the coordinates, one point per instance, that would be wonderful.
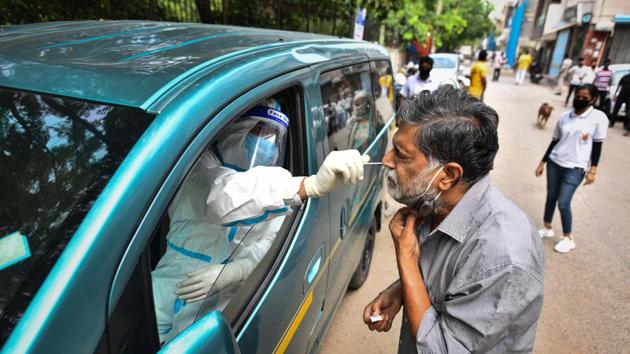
(152, 9)
(203, 7)
(225, 11)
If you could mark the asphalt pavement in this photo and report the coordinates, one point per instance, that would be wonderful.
(587, 291)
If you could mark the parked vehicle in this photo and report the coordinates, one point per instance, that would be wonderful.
(446, 68)
(101, 122)
(619, 71)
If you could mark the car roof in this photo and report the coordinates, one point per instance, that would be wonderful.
(127, 62)
(444, 55)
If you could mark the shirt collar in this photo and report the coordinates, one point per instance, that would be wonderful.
(457, 222)
(584, 114)
(420, 80)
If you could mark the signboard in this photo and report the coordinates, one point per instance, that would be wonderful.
(570, 14)
(359, 24)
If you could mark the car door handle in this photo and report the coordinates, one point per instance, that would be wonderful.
(343, 227)
(313, 268)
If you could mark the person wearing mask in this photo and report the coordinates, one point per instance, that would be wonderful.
(603, 79)
(228, 210)
(578, 74)
(572, 155)
(524, 62)
(470, 263)
(622, 96)
(478, 73)
(564, 70)
(421, 81)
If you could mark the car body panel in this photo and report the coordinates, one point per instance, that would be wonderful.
(193, 98)
(211, 334)
(443, 74)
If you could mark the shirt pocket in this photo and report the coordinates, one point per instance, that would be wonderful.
(585, 137)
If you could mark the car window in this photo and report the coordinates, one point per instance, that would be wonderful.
(57, 155)
(348, 107)
(222, 229)
(444, 63)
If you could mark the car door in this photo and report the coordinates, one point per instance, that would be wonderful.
(278, 304)
(348, 105)
(287, 316)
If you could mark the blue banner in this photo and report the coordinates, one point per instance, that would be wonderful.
(491, 42)
(515, 33)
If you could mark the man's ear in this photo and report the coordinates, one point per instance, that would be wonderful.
(453, 173)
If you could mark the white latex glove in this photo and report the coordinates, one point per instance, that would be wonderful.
(199, 282)
(339, 168)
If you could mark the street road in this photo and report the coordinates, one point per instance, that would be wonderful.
(587, 291)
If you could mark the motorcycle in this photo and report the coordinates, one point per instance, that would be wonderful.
(535, 74)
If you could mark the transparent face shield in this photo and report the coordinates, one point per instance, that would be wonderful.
(258, 138)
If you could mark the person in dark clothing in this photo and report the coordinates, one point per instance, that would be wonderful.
(622, 97)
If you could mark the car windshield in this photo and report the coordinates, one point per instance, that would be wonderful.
(56, 156)
(444, 63)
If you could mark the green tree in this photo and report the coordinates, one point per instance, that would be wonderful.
(476, 25)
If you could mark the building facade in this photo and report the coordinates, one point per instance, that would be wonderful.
(591, 29)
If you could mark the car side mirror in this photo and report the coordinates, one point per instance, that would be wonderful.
(209, 334)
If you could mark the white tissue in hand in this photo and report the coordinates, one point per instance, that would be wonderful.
(376, 318)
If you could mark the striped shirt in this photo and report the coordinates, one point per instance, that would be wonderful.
(603, 78)
(483, 270)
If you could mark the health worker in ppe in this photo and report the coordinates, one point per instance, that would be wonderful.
(228, 211)
(359, 121)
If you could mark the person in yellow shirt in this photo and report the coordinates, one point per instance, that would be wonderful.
(524, 61)
(478, 73)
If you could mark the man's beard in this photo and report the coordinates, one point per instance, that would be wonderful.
(415, 193)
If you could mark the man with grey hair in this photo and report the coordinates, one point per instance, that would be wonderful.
(470, 261)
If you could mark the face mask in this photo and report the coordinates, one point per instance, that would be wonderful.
(424, 74)
(424, 202)
(579, 105)
(261, 152)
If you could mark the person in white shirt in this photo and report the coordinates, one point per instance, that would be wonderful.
(589, 78)
(580, 73)
(564, 70)
(420, 81)
(575, 148)
(498, 62)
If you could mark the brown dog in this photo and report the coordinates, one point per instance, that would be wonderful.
(543, 114)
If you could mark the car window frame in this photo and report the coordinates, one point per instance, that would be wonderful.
(151, 220)
(340, 65)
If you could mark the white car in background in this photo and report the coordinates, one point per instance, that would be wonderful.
(619, 71)
(446, 70)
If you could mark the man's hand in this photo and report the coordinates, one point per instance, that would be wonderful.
(540, 169)
(403, 229)
(339, 168)
(387, 305)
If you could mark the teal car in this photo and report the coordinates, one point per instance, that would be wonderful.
(101, 122)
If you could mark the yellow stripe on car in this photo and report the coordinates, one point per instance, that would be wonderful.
(306, 304)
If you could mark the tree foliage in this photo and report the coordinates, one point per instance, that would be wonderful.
(451, 23)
